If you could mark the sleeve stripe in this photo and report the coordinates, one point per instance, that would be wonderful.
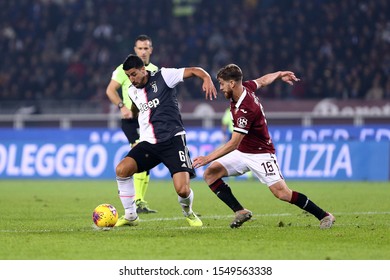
(240, 130)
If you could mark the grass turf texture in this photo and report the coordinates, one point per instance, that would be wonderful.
(52, 220)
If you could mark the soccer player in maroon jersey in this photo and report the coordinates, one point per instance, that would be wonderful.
(250, 147)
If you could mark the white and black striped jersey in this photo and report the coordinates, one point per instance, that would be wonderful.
(159, 116)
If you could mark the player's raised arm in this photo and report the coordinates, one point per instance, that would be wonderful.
(286, 76)
(208, 86)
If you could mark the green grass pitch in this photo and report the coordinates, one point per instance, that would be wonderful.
(52, 220)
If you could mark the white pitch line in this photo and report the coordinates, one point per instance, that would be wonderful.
(93, 227)
(264, 215)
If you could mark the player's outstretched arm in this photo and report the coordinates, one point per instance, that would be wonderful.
(208, 86)
(286, 76)
(228, 147)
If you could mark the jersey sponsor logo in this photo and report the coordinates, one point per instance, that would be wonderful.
(149, 105)
(242, 122)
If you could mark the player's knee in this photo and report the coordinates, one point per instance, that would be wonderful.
(123, 171)
(120, 171)
(212, 173)
(281, 191)
(206, 175)
(283, 196)
(126, 167)
(183, 191)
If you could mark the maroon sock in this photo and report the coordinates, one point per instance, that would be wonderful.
(306, 204)
(224, 193)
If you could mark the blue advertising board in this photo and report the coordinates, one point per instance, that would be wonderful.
(320, 153)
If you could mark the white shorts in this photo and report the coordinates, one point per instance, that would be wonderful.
(264, 166)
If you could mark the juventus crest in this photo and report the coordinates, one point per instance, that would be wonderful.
(154, 86)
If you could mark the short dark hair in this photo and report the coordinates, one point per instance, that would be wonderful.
(142, 38)
(230, 72)
(132, 61)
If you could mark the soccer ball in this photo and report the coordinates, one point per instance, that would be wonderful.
(105, 215)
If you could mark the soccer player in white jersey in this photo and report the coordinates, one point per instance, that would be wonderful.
(162, 134)
(143, 48)
(250, 147)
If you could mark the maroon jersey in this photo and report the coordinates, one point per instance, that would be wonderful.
(248, 118)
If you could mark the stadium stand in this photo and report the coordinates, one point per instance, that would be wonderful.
(56, 53)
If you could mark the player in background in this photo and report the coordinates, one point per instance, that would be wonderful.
(143, 48)
(162, 134)
(250, 148)
(227, 125)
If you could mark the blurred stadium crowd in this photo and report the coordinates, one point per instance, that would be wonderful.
(67, 49)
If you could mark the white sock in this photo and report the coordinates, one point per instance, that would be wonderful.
(186, 203)
(126, 194)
